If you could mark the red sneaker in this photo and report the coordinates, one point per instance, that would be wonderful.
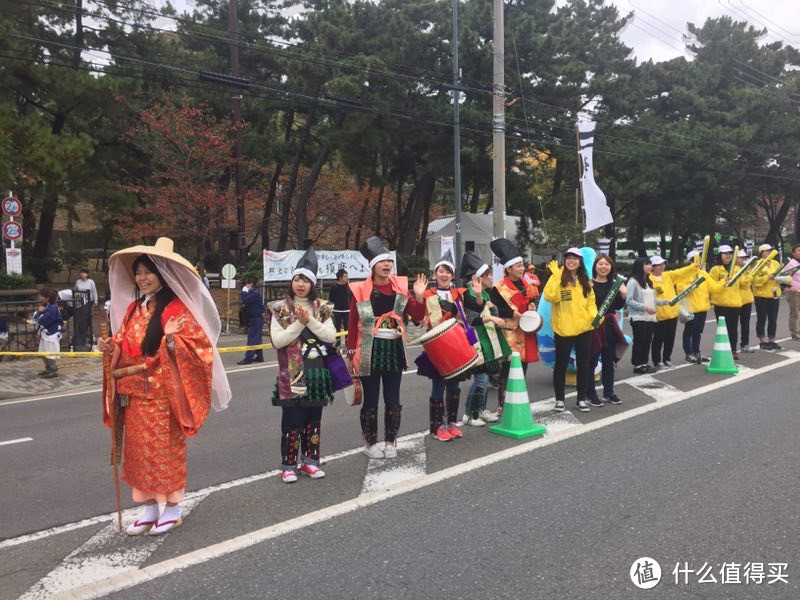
(442, 434)
(288, 476)
(312, 471)
(454, 431)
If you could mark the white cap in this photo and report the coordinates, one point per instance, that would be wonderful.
(725, 248)
(742, 253)
(657, 260)
(574, 251)
(763, 247)
(691, 255)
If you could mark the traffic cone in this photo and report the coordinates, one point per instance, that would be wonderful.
(722, 356)
(517, 421)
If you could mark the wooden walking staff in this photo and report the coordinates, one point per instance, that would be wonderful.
(115, 417)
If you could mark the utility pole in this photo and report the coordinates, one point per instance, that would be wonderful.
(457, 143)
(233, 38)
(499, 124)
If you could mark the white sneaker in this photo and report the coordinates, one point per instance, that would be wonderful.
(374, 451)
(583, 406)
(560, 406)
(488, 416)
(389, 450)
(476, 422)
(660, 365)
(668, 364)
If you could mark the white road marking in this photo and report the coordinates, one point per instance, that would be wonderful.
(411, 462)
(17, 441)
(133, 577)
(105, 554)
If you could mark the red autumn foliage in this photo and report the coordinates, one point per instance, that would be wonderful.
(189, 194)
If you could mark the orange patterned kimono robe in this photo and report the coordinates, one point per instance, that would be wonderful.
(168, 402)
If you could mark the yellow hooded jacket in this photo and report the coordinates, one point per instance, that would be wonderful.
(571, 312)
(700, 297)
(763, 286)
(665, 287)
(730, 297)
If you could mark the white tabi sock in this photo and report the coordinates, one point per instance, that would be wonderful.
(171, 513)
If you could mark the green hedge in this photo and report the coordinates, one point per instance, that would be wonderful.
(16, 282)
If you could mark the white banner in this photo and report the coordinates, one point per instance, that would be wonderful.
(594, 200)
(447, 244)
(13, 261)
(278, 266)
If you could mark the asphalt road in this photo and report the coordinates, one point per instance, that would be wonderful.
(711, 480)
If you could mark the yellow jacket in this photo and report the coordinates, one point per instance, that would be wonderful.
(699, 298)
(730, 297)
(745, 291)
(763, 286)
(665, 290)
(571, 312)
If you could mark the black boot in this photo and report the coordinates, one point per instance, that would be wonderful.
(452, 400)
(501, 394)
(391, 422)
(311, 435)
(369, 425)
(436, 409)
(290, 446)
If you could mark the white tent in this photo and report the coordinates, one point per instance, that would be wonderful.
(475, 227)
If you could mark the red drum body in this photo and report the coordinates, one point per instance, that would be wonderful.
(449, 350)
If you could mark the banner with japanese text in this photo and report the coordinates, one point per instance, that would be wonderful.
(278, 266)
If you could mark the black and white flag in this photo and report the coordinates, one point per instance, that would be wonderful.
(594, 200)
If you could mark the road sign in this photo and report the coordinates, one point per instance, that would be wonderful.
(227, 284)
(12, 230)
(11, 206)
(228, 271)
(13, 261)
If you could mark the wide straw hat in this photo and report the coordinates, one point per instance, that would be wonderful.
(164, 248)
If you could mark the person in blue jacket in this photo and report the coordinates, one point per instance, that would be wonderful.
(254, 305)
(48, 319)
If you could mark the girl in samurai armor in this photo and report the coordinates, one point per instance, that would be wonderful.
(301, 330)
(513, 296)
(488, 325)
(376, 352)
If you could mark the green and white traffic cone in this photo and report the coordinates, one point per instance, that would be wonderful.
(722, 356)
(517, 421)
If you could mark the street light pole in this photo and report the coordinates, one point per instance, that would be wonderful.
(457, 142)
(499, 124)
(233, 37)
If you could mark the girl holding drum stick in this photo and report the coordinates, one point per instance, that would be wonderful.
(513, 296)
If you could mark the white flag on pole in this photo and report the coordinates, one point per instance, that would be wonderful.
(594, 200)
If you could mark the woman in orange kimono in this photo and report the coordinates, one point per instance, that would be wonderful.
(166, 374)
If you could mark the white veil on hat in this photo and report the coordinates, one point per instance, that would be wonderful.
(189, 289)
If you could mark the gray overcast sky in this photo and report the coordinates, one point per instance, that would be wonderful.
(658, 24)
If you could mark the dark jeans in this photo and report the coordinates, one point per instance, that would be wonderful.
(340, 323)
(767, 313)
(663, 339)
(692, 332)
(608, 354)
(744, 323)
(583, 346)
(439, 385)
(372, 390)
(255, 328)
(642, 336)
(731, 315)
